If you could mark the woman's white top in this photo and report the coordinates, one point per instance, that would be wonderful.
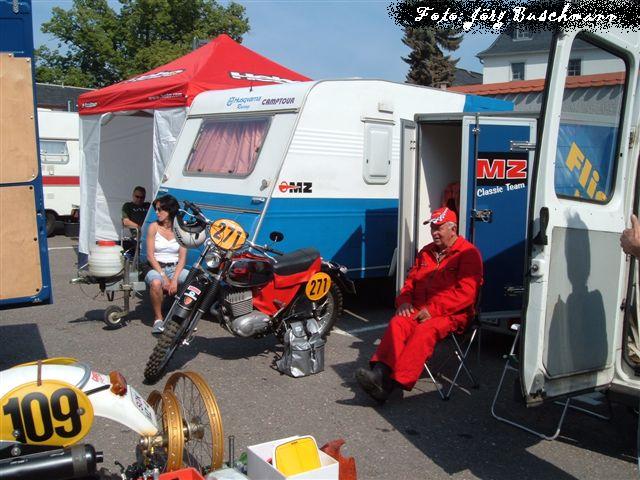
(166, 251)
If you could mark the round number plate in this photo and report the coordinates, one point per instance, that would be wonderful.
(318, 286)
(227, 234)
(52, 413)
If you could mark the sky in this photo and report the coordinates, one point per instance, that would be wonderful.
(318, 38)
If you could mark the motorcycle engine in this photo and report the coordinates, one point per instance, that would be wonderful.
(238, 313)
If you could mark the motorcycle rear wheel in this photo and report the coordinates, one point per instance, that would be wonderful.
(167, 345)
(330, 310)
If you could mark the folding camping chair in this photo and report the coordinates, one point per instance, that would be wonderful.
(462, 343)
(511, 364)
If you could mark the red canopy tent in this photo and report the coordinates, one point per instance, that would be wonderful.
(128, 130)
(218, 65)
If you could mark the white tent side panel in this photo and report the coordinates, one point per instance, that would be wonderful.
(121, 160)
(167, 125)
(89, 155)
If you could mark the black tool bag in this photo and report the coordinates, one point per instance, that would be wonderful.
(303, 349)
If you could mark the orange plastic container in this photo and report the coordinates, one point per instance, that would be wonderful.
(182, 474)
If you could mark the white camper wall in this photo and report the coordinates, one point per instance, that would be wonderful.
(330, 137)
(439, 165)
(59, 132)
(126, 149)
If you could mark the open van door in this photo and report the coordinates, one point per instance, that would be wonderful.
(24, 263)
(582, 189)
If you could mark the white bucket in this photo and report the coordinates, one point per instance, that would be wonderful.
(105, 259)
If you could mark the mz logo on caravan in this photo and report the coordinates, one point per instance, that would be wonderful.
(295, 187)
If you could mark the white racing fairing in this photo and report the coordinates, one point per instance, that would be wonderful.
(130, 409)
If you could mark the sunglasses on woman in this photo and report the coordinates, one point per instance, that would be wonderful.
(160, 208)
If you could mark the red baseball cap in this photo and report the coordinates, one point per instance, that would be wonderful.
(442, 215)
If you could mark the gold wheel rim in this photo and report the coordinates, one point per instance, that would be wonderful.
(167, 409)
(178, 383)
(172, 420)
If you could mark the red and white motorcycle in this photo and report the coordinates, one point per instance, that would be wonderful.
(252, 290)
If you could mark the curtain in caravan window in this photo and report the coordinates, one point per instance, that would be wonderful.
(228, 147)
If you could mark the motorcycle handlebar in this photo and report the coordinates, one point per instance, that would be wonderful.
(192, 226)
(263, 248)
(202, 220)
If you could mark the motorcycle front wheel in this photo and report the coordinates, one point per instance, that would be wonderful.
(167, 345)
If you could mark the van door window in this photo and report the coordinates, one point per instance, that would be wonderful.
(589, 128)
(54, 151)
(377, 152)
(227, 147)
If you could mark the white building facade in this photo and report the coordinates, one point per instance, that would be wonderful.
(522, 55)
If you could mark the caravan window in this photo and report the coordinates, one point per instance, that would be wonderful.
(54, 151)
(227, 146)
(589, 129)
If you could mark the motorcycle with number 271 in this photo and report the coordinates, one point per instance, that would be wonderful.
(251, 290)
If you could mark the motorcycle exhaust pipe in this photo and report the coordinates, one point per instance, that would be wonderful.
(60, 464)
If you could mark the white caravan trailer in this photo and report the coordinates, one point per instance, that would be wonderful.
(546, 208)
(58, 135)
(316, 161)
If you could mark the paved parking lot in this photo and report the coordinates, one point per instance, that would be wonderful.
(419, 436)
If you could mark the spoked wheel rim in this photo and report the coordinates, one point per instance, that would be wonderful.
(326, 310)
(168, 414)
(204, 446)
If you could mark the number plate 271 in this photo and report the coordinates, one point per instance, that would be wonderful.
(318, 286)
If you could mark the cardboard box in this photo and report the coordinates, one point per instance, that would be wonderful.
(259, 469)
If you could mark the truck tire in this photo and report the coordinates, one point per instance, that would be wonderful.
(51, 223)
(167, 345)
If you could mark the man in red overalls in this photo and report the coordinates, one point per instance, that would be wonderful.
(437, 298)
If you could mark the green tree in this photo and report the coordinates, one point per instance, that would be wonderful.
(428, 64)
(99, 46)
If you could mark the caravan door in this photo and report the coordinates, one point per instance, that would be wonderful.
(496, 160)
(581, 201)
(406, 250)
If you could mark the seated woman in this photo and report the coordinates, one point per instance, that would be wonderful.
(165, 256)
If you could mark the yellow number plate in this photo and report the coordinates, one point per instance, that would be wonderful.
(54, 413)
(318, 286)
(227, 234)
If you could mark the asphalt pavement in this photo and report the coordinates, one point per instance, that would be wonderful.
(418, 436)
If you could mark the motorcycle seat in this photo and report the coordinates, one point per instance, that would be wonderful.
(296, 261)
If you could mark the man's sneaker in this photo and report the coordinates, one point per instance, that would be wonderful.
(371, 382)
(158, 326)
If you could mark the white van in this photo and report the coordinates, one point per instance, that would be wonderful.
(58, 136)
(316, 161)
(545, 200)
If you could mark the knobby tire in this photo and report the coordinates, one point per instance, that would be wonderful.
(167, 345)
(338, 300)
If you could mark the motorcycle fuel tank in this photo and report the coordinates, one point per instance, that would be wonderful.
(250, 272)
